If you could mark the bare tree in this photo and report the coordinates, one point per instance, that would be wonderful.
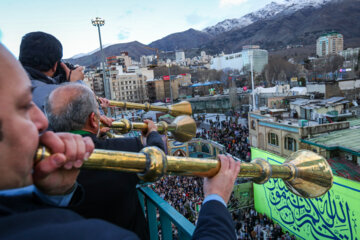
(279, 67)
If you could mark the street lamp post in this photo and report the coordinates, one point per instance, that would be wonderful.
(98, 22)
(252, 79)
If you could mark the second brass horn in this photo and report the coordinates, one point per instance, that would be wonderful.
(305, 173)
(177, 109)
(183, 128)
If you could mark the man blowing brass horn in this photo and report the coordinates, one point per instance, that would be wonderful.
(73, 108)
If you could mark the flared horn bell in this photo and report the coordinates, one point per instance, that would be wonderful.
(181, 108)
(313, 176)
(183, 128)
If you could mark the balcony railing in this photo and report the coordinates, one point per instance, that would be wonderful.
(151, 203)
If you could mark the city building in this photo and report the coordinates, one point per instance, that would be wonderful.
(349, 88)
(329, 43)
(218, 103)
(339, 145)
(350, 53)
(123, 60)
(278, 132)
(242, 60)
(159, 89)
(275, 97)
(94, 80)
(180, 57)
(131, 85)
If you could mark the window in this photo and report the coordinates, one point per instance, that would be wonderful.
(273, 139)
(205, 148)
(253, 125)
(290, 144)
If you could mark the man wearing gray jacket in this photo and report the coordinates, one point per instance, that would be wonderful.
(40, 55)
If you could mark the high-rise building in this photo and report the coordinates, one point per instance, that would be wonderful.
(144, 61)
(180, 56)
(94, 80)
(123, 60)
(330, 43)
(131, 85)
(250, 53)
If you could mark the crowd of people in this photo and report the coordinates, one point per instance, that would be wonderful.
(185, 194)
(231, 134)
(251, 225)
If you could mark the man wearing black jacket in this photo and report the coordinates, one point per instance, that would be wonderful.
(111, 196)
(40, 54)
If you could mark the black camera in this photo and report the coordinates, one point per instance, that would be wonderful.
(60, 74)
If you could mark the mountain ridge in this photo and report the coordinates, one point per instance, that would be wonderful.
(296, 24)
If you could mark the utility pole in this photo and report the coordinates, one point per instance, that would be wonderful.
(252, 79)
(99, 22)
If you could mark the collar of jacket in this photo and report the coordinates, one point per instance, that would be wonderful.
(80, 132)
(35, 74)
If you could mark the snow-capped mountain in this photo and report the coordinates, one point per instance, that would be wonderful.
(89, 53)
(271, 10)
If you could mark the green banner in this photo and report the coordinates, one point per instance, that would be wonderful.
(243, 193)
(336, 215)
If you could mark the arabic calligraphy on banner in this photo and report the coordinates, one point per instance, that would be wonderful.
(336, 215)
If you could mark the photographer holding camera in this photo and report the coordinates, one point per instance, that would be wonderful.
(40, 55)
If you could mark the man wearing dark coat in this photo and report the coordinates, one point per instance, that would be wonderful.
(40, 54)
(111, 196)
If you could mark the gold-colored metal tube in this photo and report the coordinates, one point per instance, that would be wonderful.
(107, 160)
(192, 166)
(178, 109)
(250, 170)
(159, 109)
(183, 128)
(279, 171)
(305, 173)
(139, 126)
(171, 127)
(202, 167)
(129, 105)
(120, 125)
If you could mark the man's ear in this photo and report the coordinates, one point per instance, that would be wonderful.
(54, 67)
(94, 122)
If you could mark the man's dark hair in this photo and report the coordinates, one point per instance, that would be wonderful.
(40, 50)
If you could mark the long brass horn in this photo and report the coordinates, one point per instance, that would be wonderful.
(305, 173)
(181, 108)
(183, 128)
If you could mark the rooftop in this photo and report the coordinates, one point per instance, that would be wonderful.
(318, 103)
(345, 140)
(344, 168)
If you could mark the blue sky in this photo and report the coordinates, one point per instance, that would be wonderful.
(125, 21)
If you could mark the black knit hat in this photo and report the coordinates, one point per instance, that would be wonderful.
(40, 50)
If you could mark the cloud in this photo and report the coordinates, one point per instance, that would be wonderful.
(226, 3)
(0, 35)
(123, 34)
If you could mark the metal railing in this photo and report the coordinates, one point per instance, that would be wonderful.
(152, 204)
